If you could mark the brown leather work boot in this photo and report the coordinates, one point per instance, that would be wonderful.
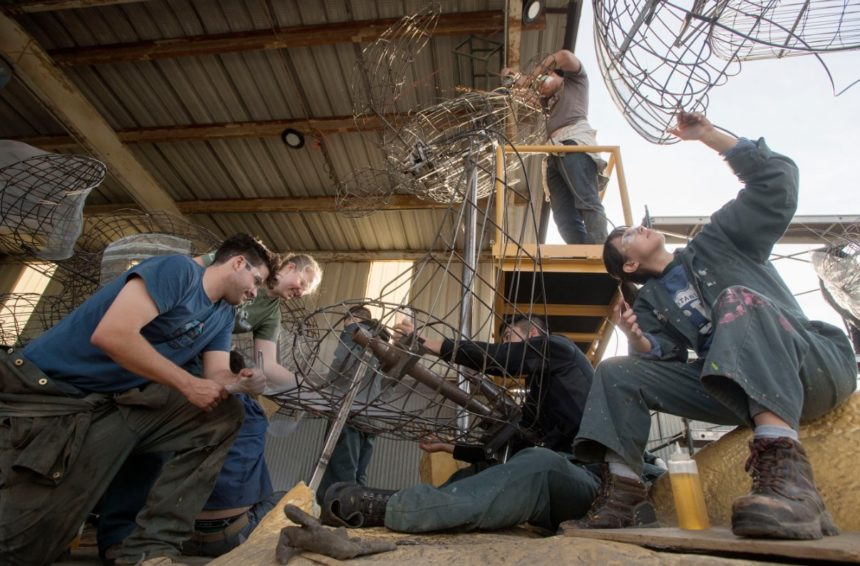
(783, 502)
(620, 503)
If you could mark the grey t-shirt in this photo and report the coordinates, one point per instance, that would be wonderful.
(570, 104)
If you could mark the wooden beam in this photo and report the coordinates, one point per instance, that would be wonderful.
(515, 28)
(227, 130)
(342, 256)
(268, 205)
(56, 5)
(557, 310)
(63, 99)
(461, 23)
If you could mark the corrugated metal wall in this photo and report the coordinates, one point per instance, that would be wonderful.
(395, 463)
(292, 458)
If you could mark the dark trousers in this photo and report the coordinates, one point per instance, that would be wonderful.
(574, 198)
(797, 369)
(217, 545)
(349, 460)
(536, 485)
(38, 520)
(125, 497)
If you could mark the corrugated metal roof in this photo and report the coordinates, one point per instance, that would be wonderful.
(249, 86)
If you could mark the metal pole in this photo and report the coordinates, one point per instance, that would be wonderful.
(337, 424)
(470, 266)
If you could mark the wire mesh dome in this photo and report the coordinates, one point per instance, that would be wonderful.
(42, 198)
(767, 29)
(399, 390)
(432, 146)
(383, 70)
(656, 60)
(366, 191)
(660, 57)
(25, 316)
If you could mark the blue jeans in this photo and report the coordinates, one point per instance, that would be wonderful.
(349, 460)
(218, 547)
(536, 485)
(574, 198)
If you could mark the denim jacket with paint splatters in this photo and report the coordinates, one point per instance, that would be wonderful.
(733, 249)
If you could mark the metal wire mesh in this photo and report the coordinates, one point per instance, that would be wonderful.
(749, 29)
(658, 57)
(41, 199)
(403, 393)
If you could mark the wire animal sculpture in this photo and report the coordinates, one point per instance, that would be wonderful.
(658, 56)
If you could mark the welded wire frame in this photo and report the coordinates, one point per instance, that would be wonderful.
(430, 148)
(658, 57)
(401, 405)
(367, 191)
(383, 69)
(656, 60)
(41, 203)
(766, 29)
(25, 316)
(78, 277)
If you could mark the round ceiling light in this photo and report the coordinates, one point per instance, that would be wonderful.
(293, 138)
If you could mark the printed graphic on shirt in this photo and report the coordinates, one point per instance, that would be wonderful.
(688, 301)
(184, 336)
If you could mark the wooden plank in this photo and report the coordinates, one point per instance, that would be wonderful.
(34, 6)
(484, 22)
(225, 130)
(272, 205)
(64, 101)
(842, 548)
(260, 546)
(556, 309)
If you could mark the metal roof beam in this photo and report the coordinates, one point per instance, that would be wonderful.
(66, 103)
(460, 23)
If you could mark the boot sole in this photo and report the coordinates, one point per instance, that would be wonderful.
(758, 525)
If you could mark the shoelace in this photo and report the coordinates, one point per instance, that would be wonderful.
(764, 460)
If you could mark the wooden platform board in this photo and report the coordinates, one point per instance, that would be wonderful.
(842, 548)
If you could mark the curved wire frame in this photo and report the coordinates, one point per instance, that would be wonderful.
(25, 316)
(766, 29)
(367, 191)
(41, 200)
(432, 148)
(383, 70)
(658, 57)
(412, 394)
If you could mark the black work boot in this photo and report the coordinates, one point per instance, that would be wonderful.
(353, 506)
(621, 502)
(783, 502)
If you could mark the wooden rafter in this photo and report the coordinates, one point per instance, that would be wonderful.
(557, 310)
(63, 99)
(33, 6)
(228, 130)
(462, 23)
(270, 205)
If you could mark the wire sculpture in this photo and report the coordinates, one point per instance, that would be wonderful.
(42, 198)
(25, 316)
(657, 57)
(367, 191)
(424, 149)
(108, 246)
